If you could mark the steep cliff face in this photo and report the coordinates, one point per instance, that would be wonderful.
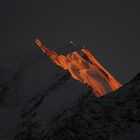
(83, 67)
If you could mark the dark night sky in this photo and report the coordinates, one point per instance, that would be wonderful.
(110, 29)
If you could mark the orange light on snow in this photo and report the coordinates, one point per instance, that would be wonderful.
(83, 67)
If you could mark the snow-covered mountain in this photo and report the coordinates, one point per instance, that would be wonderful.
(84, 67)
(39, 101)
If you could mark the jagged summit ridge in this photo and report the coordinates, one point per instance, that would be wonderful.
(83, 67)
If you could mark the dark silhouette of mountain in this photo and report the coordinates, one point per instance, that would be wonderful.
(33, 89)
(115, 116)
(39, 101)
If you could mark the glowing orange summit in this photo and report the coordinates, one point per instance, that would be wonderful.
(83, 67)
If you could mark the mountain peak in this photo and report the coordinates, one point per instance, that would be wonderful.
(83, 67)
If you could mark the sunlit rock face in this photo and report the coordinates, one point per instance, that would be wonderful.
(83, 67)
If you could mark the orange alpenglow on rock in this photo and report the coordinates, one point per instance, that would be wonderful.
(83, 67)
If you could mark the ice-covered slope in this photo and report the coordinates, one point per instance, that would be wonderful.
(115, 116)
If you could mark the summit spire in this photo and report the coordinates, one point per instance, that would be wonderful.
(84, 67)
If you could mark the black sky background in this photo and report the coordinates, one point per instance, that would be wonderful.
(110, 29)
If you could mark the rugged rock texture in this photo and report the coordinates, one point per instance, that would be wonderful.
(113, 117)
